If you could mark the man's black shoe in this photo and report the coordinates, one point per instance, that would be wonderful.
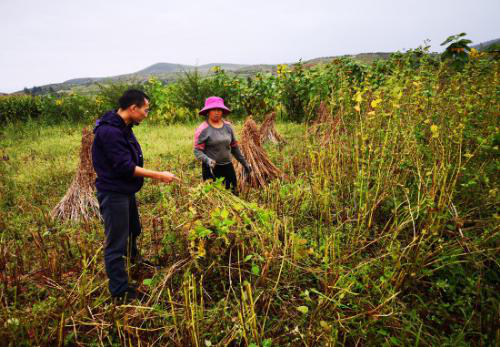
(145, 262)
(126, 297)
(140, 261)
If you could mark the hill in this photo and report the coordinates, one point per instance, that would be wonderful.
(488, 45)
(169, 72)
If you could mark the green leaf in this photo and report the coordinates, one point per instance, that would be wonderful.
(395, 341)
(201, 231)
(383, 332)
(303, 309)
(255, 270)
(147, 282)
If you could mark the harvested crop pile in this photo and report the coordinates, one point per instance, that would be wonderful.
(222, 234)
(80, 201)
(216, 216)
(263, 170)
(268, 130)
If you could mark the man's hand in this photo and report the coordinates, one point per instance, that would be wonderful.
(211, 163)
(167, 177)
(163, 176)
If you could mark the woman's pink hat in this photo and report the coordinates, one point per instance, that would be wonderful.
(214, 102)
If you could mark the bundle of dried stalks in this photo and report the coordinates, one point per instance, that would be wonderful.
(79, 201)
(268, 131)
(322, 117)
(263, 170)
(324, 126)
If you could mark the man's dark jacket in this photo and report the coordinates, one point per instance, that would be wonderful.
(115, 154)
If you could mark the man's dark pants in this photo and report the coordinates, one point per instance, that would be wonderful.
(121, 226)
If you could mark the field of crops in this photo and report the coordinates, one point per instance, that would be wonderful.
(385, 230)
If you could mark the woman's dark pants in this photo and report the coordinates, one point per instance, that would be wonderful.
(121, 227)
(226, 171)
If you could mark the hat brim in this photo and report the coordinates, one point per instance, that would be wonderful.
(204, 111)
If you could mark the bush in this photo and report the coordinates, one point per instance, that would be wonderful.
(109, 94)
(15, 108)
(163, 108)
(50, 109)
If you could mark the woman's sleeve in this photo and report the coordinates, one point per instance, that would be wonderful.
(200, 137)
(235, 149)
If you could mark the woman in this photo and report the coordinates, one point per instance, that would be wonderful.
(215, 141)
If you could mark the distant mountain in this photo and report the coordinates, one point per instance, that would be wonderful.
(168, 72)
(488, 45)
(84, 80)
(161, 68)
(157, 70)
(366, 58)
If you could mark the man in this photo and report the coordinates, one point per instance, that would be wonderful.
(118, 161)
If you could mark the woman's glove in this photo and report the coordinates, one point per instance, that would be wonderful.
(248, 169)
(211, 163)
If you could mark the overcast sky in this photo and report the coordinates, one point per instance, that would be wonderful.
(54, 40)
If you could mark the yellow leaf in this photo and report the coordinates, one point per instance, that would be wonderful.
(435, 131)
(371, 113)
(375, 103)
(325, 325)
(358, 97)
(201, 249)
(474, 53)
(357, 108)
(301, 241)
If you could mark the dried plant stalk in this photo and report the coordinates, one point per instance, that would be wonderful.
(268, 130)
(324, 126)
(263, 170)
(80, 202)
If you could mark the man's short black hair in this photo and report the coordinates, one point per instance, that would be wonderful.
(132, 97)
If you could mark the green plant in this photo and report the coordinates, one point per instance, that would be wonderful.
(457, 50)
